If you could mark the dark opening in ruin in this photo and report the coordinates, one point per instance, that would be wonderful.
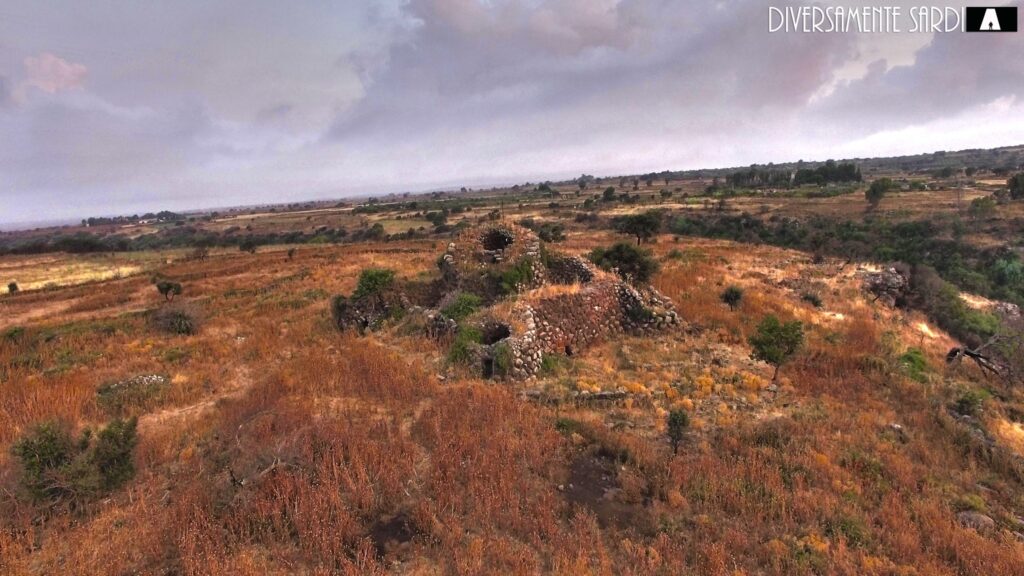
(488, 368)
(497, 239)
(495, 332)
(568, 349)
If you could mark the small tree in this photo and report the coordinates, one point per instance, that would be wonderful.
(876, 191)
(168, 289)
(732, 296)
(644, 226)
(12, 287)
(291, 253)
(630, 262)
(609, 194)
(775, 342)
(1016, 186)
(678, 422)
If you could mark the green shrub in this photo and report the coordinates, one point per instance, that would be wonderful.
(732, 296)
(373, 281)
(1015, 185)
(181, 319)
(461, 349)
(852, 529)
(168, 289)
(877, 190)
(970, 403)
(550, 363)
(14, 333)
(57, 469)
(678, 422)
(512, 279)
(464, 305)
(502, 359)
(629, 261)
(915, 364)
(12, 287)
(775, 342)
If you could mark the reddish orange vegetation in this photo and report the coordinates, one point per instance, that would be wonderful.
(283, 447)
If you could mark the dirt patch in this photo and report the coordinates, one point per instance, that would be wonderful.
(389, 536)
(593, 484)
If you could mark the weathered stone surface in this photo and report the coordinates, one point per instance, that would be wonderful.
(976, 520)
(889, 286)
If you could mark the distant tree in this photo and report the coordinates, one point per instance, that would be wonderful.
(644, 226)
(168, 289)
(609, 194)
(636, 183)
(629, 261)
(876, 191)
(732, 296)
(678, 421)
(1015, 185)
(665, 194)
(248, 245)
(776, 342)
(12, 287)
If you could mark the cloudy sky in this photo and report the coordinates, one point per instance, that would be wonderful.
(121, 106)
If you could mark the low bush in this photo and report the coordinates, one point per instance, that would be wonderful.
(373, 281)
(60, 470)
(180, 319)
(464, 305)
(134, 394)
(732, 296)
(630, 262)
(461, 349)
(914, 364)
(970, 402)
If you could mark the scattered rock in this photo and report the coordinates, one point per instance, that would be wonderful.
(976, 520)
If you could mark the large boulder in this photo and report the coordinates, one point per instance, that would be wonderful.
(891, 285)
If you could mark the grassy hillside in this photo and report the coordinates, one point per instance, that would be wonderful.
(270, 443)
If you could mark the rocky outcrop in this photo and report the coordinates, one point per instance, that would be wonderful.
(890, 286)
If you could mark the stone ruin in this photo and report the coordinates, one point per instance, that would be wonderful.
(539, 302)
(567, 323)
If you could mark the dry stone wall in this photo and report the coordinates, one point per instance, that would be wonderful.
(568, 323)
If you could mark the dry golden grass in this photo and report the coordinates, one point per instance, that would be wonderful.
(283, 447)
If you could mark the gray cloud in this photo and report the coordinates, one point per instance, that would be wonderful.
(952, 73)
(178, 105)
